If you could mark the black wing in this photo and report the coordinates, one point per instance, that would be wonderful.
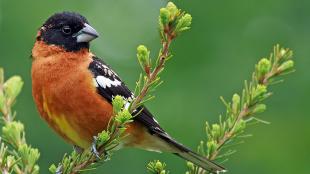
(109, 85)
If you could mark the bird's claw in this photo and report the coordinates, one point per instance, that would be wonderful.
(94, 148)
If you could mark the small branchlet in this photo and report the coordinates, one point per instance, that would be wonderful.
(143, 55)
(156, 167)
(16, 156)
(241, 110)
(172, 22)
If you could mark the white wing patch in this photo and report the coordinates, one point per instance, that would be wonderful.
(106, 82)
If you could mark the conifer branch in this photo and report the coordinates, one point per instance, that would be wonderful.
(16, 156)
(230, 131)
(172, 22)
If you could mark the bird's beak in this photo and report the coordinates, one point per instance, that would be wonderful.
(86, 34)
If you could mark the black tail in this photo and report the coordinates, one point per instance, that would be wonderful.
(187, 154)
(146, 118)
(193, 157)
(200, 161)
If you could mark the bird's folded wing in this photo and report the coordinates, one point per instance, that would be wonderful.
(109, 85)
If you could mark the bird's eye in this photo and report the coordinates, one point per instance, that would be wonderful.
(66, 30)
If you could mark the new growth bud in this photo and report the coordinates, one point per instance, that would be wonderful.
(263, 67)
(52, 168)
(164, 15)
(184, 23)
(13, 132)
(123, 117)
(143, 55)
(235, 103)
(118, 103)
(12, 87)
(103, 137)
(28, 155)
(211, 147)
(259, 109)
(259, 91)
(173, 10)
(288, 65)
(190, 165)
(216, 131)
(158, 166)
(282, 52)
(173, 21)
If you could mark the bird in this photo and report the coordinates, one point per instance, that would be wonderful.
(73, 91)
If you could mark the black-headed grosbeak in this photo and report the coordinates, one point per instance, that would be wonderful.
(73, 90)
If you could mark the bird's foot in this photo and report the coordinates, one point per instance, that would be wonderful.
(94, 148)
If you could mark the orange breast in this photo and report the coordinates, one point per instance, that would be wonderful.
(66, 98)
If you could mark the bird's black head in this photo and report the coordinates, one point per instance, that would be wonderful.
(68, 30)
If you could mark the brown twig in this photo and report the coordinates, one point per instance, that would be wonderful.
(229, 134)
(152, 76)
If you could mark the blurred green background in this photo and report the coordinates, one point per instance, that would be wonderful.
(212, 59)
